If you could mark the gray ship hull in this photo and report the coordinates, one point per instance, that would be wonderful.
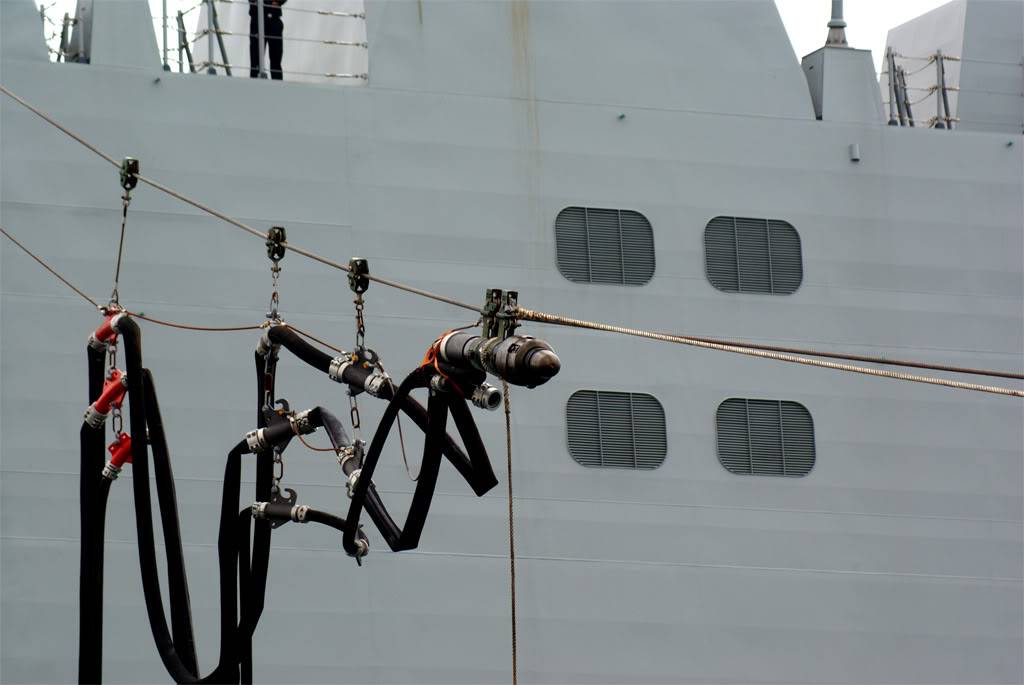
(898, 559)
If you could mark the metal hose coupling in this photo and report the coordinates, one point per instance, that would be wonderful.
(297, 423)
(265, 346)
(114, 389)
(120, 454)
(486, 396)
(274, 511)
(107, 332)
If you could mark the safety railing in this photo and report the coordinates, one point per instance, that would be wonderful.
(901, 98)
(315, 40)
(310, 42)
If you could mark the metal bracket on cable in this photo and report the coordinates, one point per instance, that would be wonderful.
(498, 314)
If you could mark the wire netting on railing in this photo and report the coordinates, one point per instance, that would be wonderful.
(303, 40)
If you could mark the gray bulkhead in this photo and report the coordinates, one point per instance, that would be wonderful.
(896, 559)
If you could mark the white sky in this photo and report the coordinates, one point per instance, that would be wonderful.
(867, 21)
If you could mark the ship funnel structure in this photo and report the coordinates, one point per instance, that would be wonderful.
(841, 79)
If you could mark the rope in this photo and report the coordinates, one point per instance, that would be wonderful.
(192, 327)
(49, 268)
(864, 358)
(542, 317)
(511, 533)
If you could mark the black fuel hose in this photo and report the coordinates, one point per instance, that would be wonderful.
(480, 476)
(92, 514)
(227, 547)
(177, 581)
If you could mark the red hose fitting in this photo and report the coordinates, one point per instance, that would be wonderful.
(120, 454)
(107, 331)
(114, 389)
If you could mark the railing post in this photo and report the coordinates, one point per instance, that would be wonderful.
(939, 119)
(209, 38)
(220, 40)
(890, 67)
(259, 36)
(167, 67)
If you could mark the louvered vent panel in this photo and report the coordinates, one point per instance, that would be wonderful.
(750, 255)
(765, 437)
(720, 254)
(637, 248)
(571, 244)
(787, 261)
(616, 429)
(608, 246)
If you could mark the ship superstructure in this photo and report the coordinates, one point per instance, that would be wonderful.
(669, 166)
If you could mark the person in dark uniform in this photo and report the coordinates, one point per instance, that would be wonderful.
(273, 28)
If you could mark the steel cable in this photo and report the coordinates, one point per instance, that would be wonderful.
(542, 317)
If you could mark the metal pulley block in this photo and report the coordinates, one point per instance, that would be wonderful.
(277, 240)
(129, 173)
(358, 275)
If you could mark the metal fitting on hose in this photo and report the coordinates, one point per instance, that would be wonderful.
(114, 389)
(486, 396)
(375, 382)
(102, 336)
(352, 482)
(256, 440)
(273, 512)
(264, 346)
(337, 368)
(120, 454)
(301, 422)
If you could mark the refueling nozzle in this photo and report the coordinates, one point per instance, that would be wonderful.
(518, 359)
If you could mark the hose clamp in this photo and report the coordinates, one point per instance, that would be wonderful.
(375, 382)
(259, 510)
(301, 423)
(111, 472)
(337, 368)
(299, 513)
(94, 418)
(256, 440)
(265, 347)
(352, 482)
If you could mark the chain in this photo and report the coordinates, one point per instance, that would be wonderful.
(275, 272)
(116, 422)
(353, 403)
(360, 322)
(278, 472)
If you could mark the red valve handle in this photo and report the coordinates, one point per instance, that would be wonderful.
(114, 389)
(121, 451)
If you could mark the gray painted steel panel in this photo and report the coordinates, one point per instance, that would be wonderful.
(897, 559)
